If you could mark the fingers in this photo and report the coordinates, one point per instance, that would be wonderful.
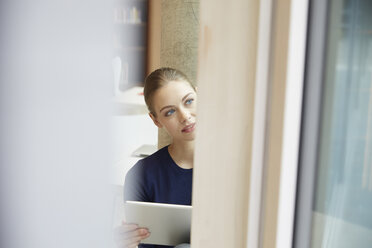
(133, 236)
(130, 230)
(131, 242)
(136, 240)
(129, 235)
(140, 232)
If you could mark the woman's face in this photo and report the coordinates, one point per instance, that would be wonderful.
(175, 108)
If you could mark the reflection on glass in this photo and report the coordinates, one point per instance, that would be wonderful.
(342, 214)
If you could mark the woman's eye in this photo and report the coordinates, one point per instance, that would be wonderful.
(170, 112)
(189, 101)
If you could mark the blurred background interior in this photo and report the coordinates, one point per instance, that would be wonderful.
(147, 35)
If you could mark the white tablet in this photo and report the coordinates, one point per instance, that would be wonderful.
(168, 224)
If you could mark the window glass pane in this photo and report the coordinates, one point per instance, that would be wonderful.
(342, 215)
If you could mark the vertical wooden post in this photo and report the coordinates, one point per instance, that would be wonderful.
(281, 13)
(226, 81)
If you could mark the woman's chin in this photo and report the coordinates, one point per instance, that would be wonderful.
(190, 138)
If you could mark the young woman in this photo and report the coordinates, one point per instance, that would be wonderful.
(166, 175)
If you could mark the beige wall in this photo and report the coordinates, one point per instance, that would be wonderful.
(179, 42)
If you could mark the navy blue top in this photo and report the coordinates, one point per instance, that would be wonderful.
(157, 178)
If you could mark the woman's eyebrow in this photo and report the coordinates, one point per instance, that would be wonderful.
(186, 96)
(169, 106)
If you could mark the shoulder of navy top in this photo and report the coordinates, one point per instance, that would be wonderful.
(152, 163)
(157, 178)
(158, 158)
(139, 176)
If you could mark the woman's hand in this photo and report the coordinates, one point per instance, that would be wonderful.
(129, 235)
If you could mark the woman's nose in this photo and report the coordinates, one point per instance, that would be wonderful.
(185, 115)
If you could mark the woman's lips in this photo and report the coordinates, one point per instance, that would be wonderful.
(189, 128)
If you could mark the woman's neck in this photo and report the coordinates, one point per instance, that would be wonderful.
(183, 154)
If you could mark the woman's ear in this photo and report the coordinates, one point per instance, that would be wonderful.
(156, 122)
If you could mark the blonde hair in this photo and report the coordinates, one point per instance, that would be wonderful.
(157, 79)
